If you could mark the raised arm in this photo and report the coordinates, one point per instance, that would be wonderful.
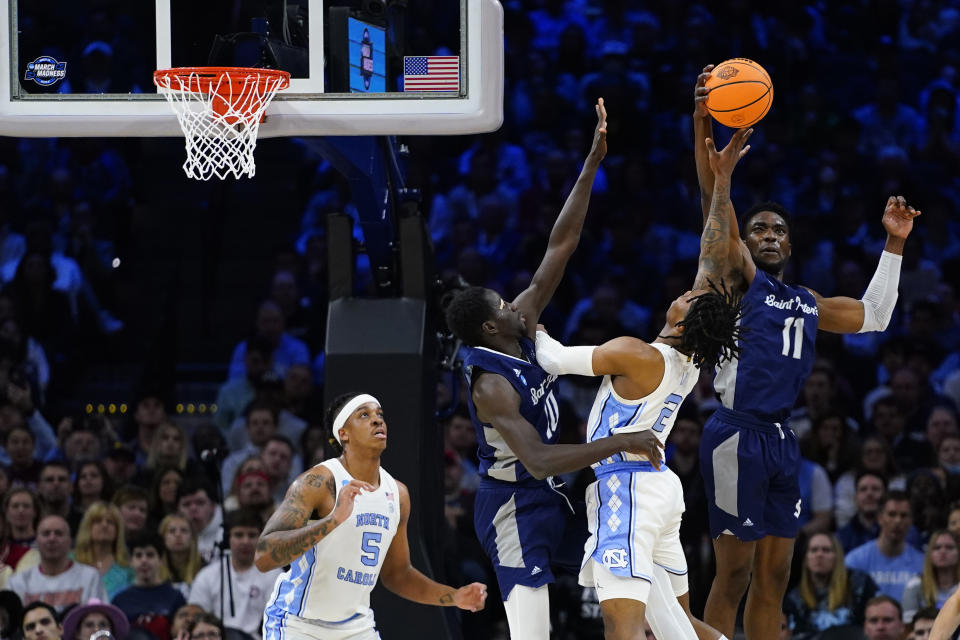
(401, 577)
(872, 312)
(565, 235)
(287, 536)
(723, 255)
(499, 404)
(703, 129)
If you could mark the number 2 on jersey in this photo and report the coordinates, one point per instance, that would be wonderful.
(669, 406)
(797, 325)
(369, 544)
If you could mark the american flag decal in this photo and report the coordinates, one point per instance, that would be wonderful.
(431, 73)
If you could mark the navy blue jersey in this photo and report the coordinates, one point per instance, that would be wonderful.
(778, 342)
(538, 406)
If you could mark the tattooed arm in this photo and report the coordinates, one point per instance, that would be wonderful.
(398, 575)
(287, 536)
(723, 255)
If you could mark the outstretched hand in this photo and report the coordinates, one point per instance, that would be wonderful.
(723, 162)
(898, 217)
(599, 148)
(472, 597)
(348, 493)
(701, 92)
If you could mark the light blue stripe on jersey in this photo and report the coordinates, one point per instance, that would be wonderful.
(311, 557)
(612, 408)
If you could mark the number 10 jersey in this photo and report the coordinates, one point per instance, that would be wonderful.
(538, 405)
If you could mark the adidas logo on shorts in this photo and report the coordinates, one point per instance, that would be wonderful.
(535, 570)
(748, 522)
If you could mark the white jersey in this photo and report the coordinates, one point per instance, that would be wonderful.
(633, 510)
(612, 414)
(332, 581)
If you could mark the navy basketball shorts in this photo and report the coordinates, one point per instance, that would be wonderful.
(750, 469)
(520, 526)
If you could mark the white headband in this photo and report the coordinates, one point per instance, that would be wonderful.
(348, 409)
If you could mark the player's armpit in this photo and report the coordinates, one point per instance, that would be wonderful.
(838, 314)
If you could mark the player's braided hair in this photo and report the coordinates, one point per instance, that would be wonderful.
(466, 312)
(711, 327)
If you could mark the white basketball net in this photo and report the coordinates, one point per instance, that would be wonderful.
(219, 144)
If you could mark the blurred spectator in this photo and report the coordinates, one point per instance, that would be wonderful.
(875, 456)
(460, 436)
(207, 627)
(941, 422)
(253, 492)
(277, 456)
(11, 615)
(922, 624)
(287, 350)
(24, 467)
(13, 557)
(889, 560)
(57, 579)
(92, 485)
(54, 489)
(829, 595)
(133, 503)
(183, 559)
(101, 544)
(237, 392)
(816, 498)
(831, 443)
(296, 308)
(86, 619)
(261, 419)
(151, 601)
(168, 448)
(163, 494)
(884, 619)
(120, 463)
(148, 414)
(612, 308)
(890, 422)
(820, 396)
(197, 501)
(887, 122)
(941, 573)
(863, 527)
(927, 501)
(249, 588)
(40, 622)
(21, 510)
(184, 618)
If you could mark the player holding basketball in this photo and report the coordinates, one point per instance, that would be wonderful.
(634, 556)
(361, 537)
(749, 459)
(519, 517)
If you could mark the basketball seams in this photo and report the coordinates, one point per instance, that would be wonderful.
(743, 106)
(762, 113)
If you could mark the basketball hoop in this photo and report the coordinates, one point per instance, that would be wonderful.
(220, 110)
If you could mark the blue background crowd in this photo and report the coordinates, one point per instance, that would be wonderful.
(132, 302)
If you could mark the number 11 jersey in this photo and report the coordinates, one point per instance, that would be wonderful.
(778, 342)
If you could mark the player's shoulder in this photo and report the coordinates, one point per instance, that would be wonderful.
(491, 386)
(318, 477)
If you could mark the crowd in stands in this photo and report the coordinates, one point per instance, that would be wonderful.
(116, 521)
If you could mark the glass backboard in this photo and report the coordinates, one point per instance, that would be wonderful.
(85, 68)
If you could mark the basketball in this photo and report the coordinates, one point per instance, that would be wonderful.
(740, 93)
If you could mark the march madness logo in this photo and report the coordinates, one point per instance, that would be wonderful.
(727, 72)
(45, 71)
